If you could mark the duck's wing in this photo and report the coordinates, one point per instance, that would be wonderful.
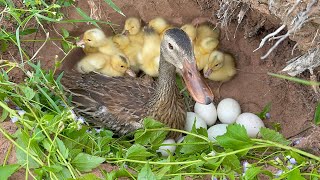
(117, 103)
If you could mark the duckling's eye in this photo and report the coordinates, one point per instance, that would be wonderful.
(122, 66)
(170, 46)
(88, 39)
(217, 65)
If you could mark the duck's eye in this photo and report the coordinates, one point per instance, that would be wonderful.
(170, 46)
(190, 73)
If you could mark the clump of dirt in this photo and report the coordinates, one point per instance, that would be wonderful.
(292, 104)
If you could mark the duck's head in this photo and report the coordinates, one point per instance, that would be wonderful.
(215, 62)
(92, 38)
(176, 48)
(132, 26)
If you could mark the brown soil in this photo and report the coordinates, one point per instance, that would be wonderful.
(292, 104)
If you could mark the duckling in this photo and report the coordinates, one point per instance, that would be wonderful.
(150, 54)
(130, 49)
(206, 41)
(132, 28)
(160, 25)
(94, 40)
(190, 30)
(115, 65)
(220, 67)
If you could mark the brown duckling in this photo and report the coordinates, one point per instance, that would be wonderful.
(121, 103)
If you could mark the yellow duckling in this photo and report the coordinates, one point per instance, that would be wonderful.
(94, 40)
(206, 41)
(220, 67)
(150, 54)
(115, 65)
(160, 25)
(190, 30)
(132, 28)
(130, 49)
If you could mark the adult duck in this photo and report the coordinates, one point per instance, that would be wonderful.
(121, 103)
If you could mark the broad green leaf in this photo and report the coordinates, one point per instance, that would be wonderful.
(150, 137)
(65, 46)
(192, 145)
(7, 170)
(64, 174)
(295, 175)
(114, 7)
(4, 115)
(317, 115)
(163, 172)
(235, 138)
(62, 148)
(53, 168)
(146, 173)
(272, 135)
(86, 162)
(28, 31)
(252, 172)
(115, 174)
(138, 152)
(89, 176)
(232, 161)
(28, 92)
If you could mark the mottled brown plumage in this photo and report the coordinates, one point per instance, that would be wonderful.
(121, 103)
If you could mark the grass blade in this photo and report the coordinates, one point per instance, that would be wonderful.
(294, 79)
(114, 7)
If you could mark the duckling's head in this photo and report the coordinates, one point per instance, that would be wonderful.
(132, 26)
(121, 40)
(176, 48)
(158, 24)
(92, 38)
(215, 62)
(121, 64)
(190, 30)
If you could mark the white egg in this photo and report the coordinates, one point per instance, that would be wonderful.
(171, 148)
(180, 140)
(217, 130)
(251, 122)
(207, 112)
(228, 110)
(191, 117)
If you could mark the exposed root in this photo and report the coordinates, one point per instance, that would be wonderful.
(293, 26)
(309, 60)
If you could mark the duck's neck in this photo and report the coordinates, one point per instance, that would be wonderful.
(166, 80)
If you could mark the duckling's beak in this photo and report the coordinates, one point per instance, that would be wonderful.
(80, 43)
(198, 89)
(131, 73)
(125, 32)
(207, 73)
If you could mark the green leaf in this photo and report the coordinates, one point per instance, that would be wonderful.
(317, 115)
(89, 176)
(85, 16)
(114, 7)
(235, 138)
(295, 175)
(115, 174)
(146, 173)
(272, 135)
(53, 168)
(191, 142)
(86, 162)
(294, 79)
(252, 172)
(7, 170)
(150, 137)
(4, 115)
(62, 148)
(28, 92)
(65, 46)
(4, 46)
(28, 31)
(232, 161)
(65, 33)
(138, 152)
(266, 109)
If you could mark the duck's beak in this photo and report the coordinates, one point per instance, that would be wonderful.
(198, 89)
(207, 73)
(80, 43)
(131, 73)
